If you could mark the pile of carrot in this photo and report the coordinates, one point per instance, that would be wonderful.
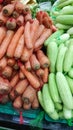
(24, 67)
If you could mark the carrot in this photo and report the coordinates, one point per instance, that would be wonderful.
(21, 86)
(43, 59)
(27, 36)
(1, 6)
(20, 20)
(7, 72)
(28, 17)
(16, 67)
(53, 28)
(12, 95)
(28, 95)
(26, 10)
(15, 14)
(38, 32)
(32, 80)
(3, 19)
(34, 62)
(19, 48)
(45, 76)
(11, 24)
(5, 99)
(17, 102)
(34, 28)
(38, 48)
(26, 54)
(40, 72)
(26, 106)
(11, 62)
(41, 82)
(8, 9)
(3, 63)
(5, 43)
(14, 42)
(14, 73)
(14, 81)
(28, 65)
(35, 103)
(42, 38)
(19, 7)
(21, 75)
(2, 33)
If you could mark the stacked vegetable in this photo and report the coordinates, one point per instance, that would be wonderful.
(23, 64)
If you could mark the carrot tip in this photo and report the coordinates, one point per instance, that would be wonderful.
(19, 63)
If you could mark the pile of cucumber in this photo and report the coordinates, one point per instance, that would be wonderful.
(56, 97)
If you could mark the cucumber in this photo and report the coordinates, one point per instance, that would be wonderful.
(67, 113)
(70, 73)
(70, 83)
(70, 31)
(58, 106)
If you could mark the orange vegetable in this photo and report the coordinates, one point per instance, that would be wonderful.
(20, 20)
(21, 75)
(16, 67)
(26, 10)
(28, 95)
(11, 62)
(26, 106)
(14, 42)
(19, 48)
(7, 72)
(28, 17)
(45, 76)
(8, 9)
(3, 63)
(27, 36)
(3, 19)
(34, 62)
(28, 65)
(21, 86)
(32, 80)
(40, 72)
(15, 14)
(14, 81)
(19, 7)
(26, 54)
(43, 59)
(5, 43)
(35, 103)
(11, 24)
(5, 99)
(42, 38)
(2, 33)
(12, 95)
(1, 6)
(17, 102)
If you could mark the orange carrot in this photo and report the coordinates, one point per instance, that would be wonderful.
(26, 106)
(39, 48)
(3, 63)
(42, 38)
(12, 95)
(2, 33)
(32, 80)
(1, 6)
(14, 81)
(35, 103)
(28, 65)
(45, 76)
(5, 99)
(34, 28)
(5, 43)
(3, 19)
(34, 62)
(28, 17)
(8, 9)
(21, 75)
(39, 32)
(26, 10)
(11, 62)
(16, 67)
(17, 102)
(53, 28)
(19, 7)
(29, 95)
(7, 72)
(15, 14)
(19, 48)
(11, 24)
(26, 54)
(14, 42)
(43, 59)
(27, 36)
(40, 72)
(21, 86)
(20, 20)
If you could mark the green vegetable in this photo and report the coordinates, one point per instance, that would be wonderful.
(64, 90)
(40, 98)
(70, 73)
(48, 103)
(58, 106)
(65, 19)
(60, 58)
(62, 26)
(61, 115)
(64, 37)
(52, 51)
(67, 113)
(53, 36)
(61, 5)
(70, 83)
(53, 88)
(70, 31)
(54, 115)
(67, 10)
